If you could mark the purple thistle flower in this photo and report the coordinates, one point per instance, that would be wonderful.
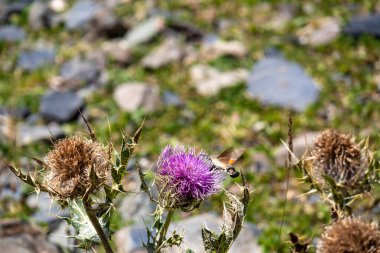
(188, 175)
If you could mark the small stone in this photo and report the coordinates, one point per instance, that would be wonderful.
(28, 134)
(376, 79)
(171, 99)
(191, 32)
(168, 52)
(20, 237)
(105, 23)
(81, 14)
(300, 145)
(58, 5)
(60, 106)
(209, 81)
(39, 15)
(319, 32)
(77, 73)
(363, 25)
(281, 17)
(133, 96)
(275, 81)
(32, 60)
(11, 33)
(214, 48)
(117, 52)
(143, 32)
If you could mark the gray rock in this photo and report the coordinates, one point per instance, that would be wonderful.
(115, 50)
(11, 33)
(77, 73)
(10, 8)
(15, 112)
(40, 15)
(81, 14)
(209, 81)
(10, 187)
(281, 17)
(171, 50)
(58, 5)
(260, 164)
(60, 106)
(133, 96)
(171, 99)
(27, 134)
(136, 207)
(300, 145)
(363, 25)
(105, 23)
(60, 235)
(47, 208)
(319, 31)
(275, 81)
(213, 47)
(143, 32)
(20, 237)
(130, 239)
(32, 60)
(189, 30)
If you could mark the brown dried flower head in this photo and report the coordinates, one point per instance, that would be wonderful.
(70, 164)
(339, 157)
(350, 235)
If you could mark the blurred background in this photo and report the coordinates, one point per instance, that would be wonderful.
(207, 73)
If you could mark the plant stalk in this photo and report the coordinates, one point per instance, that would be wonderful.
(164, 230)
(99, 230)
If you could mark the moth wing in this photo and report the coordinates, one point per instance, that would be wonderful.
(237, 153)
(230, 155)
(226, 155)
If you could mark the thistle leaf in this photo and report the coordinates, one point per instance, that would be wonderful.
(233, 218)
(85, 232)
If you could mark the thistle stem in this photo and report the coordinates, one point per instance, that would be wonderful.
(99, 230)
(164, 230)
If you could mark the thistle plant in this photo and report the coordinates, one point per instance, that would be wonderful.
(184, 179)
(81, 175)
(340, 169)
(350, 235)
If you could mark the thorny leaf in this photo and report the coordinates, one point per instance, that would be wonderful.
(26, 178)
(233, 217)
(89, 128)
(118, 169)
(85, 232)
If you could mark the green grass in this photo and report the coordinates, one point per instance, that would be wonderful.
(228, 118)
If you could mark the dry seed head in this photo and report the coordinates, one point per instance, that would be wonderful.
(69, 166)
(350, 235)
(338, 156)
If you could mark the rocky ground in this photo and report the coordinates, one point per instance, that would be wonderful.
(212, 74)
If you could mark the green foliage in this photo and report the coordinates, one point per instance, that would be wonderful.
(233, 222)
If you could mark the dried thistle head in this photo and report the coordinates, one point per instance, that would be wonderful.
(75, 167)
(350, 235)
(340, 158)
